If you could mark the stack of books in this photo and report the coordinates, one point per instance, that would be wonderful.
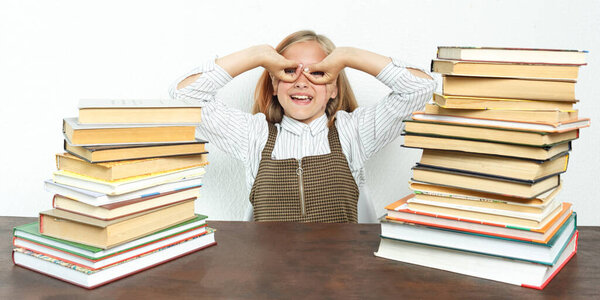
(124, 194)
(494, 145)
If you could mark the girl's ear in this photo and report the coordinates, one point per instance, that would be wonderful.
(334, 90)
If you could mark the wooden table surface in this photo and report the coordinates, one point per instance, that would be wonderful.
(289, 261)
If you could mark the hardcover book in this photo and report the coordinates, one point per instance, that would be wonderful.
(130, 111)
(523, 55)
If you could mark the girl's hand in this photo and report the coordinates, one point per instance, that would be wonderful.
(279, 67)
(327, 70)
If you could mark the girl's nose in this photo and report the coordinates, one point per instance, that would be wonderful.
(301, 82)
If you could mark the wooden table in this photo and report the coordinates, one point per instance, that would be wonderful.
(288, 260)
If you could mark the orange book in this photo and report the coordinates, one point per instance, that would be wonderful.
(398, 211)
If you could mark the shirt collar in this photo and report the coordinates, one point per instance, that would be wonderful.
(296, 127)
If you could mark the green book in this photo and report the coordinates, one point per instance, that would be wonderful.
(31, 233)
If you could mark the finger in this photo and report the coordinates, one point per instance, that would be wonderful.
(323, 77)
(284, 75)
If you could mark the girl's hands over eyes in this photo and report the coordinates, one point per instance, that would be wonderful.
(328, 69)
(279, 67)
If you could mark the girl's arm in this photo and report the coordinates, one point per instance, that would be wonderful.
(359, 59)
(235, 132)
(244, 60)
(368, 129)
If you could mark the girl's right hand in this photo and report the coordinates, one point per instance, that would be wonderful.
(279, 67)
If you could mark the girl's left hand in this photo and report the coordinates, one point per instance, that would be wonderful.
(327, 70)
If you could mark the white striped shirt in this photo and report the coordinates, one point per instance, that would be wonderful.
(362, 132)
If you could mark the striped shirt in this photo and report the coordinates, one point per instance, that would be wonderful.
(362, 132)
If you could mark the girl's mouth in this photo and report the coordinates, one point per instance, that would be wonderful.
(301, 99)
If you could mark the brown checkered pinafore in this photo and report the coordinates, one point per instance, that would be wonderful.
(324, 182)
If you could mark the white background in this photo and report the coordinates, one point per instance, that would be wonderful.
(53, 53)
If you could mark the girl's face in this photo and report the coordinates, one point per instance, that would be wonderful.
(303, 100)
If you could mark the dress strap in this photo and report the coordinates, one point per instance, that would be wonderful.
(270, 141)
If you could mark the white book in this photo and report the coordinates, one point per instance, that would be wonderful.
(123, 186)
(490, 245)
(518, 272)
(99, 199)
(91, 279)
(136, 103)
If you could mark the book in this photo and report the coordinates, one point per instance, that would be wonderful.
(502, 69)
(484, 147)
(125, 134)
(515, 125)
(106, 234)
(542, 253)
(109, 212)
(484, 216)
(126, 185)
(522, 273)
(473, 198)
(465, 102)
(91, 279)
(419, 201)
(523, 55)
(489, 134)
(98, 199)
(128, 111)
(96, 264)
(530, 115)
(111, 171)
(96, 154)
(399, 211)
(31, 233)
(533, 89)
(525, 169)
(485, 183)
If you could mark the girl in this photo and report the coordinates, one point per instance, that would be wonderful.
(306, 142)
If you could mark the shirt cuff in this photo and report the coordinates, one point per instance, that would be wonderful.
(396, 76)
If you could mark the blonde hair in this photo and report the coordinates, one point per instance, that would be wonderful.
(265, 103)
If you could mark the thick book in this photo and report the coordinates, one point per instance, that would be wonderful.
(125, 134)
(98, 264)
(99, 199)
(485, 183)
(430, 141)
(465, 102)
(127, 111)
(513, 55)
(530, 115)
(542, 253)
(500, 69)
(399, 211)
(489, 134)
(518, 272)
(106, 234)
(126, 185)
(425, 202)
(533, 89)
(97, 154)
(90, 279)
(513, 125)
(504, 166)
(109, 212)
(31, 233)
(432, 192)
(111, 171)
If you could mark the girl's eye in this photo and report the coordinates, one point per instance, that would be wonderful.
(289, 71)
(317, 74)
